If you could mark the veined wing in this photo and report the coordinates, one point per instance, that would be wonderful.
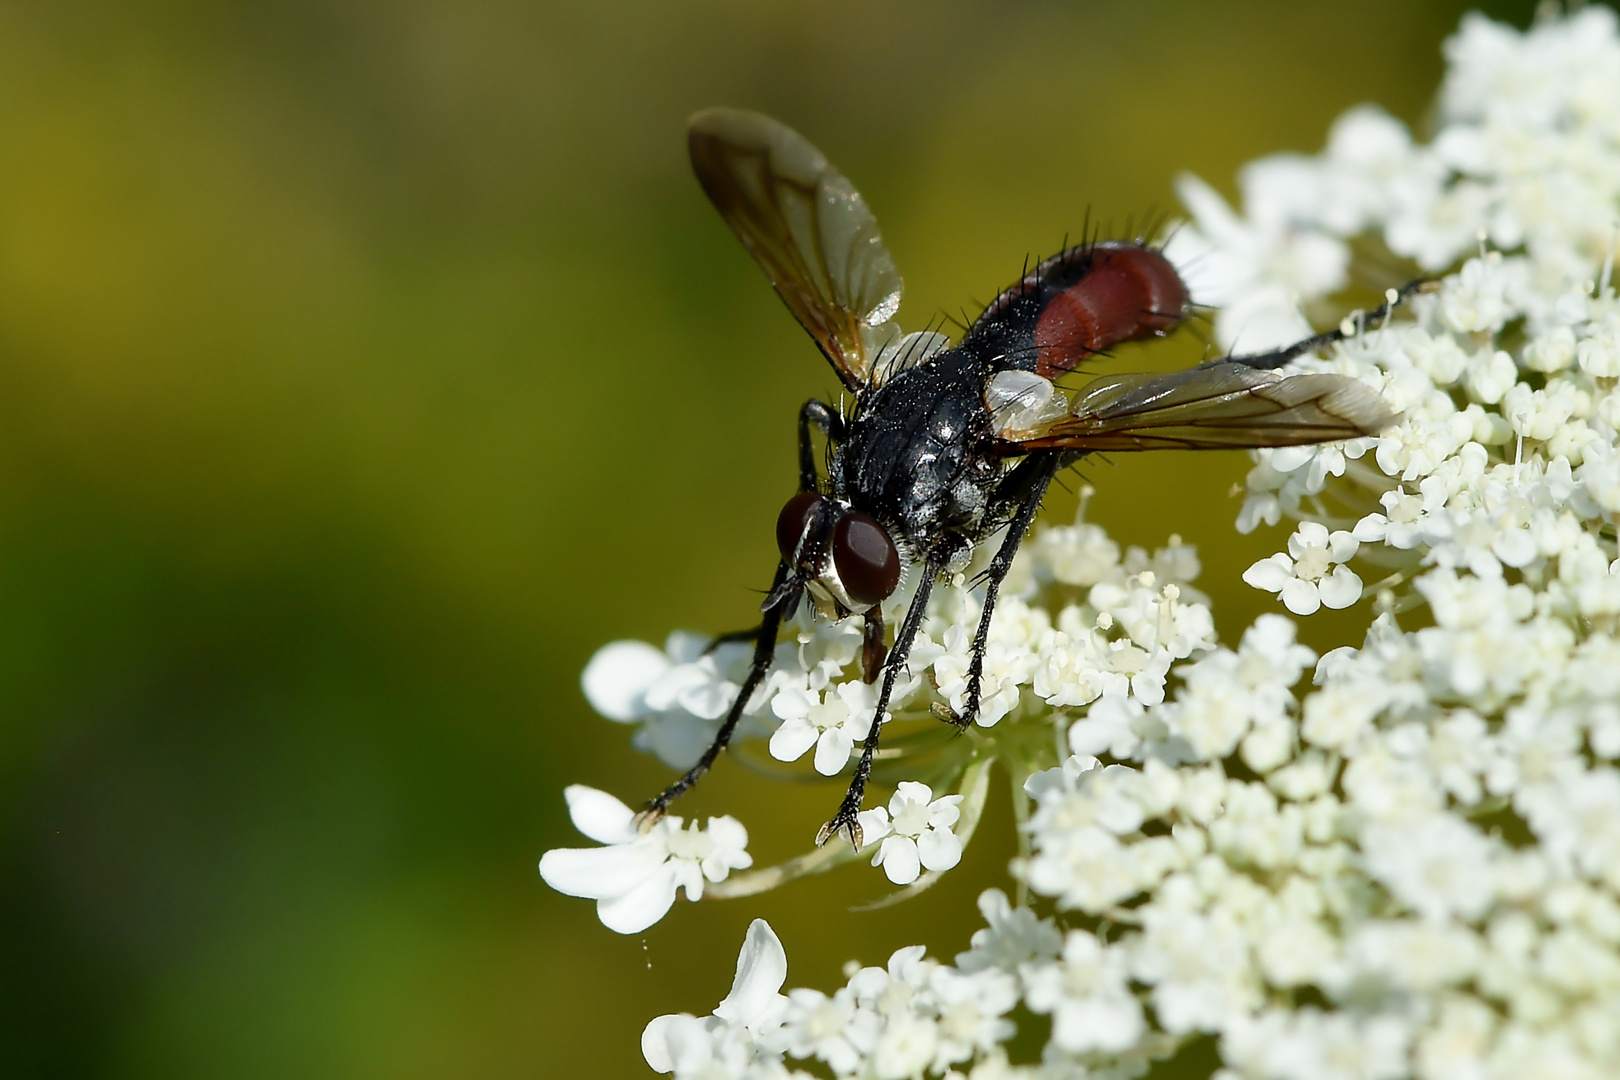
(1221, 406)
(807, 227)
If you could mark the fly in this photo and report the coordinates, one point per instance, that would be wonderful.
(948, 444)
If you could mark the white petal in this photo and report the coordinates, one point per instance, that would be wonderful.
(676, 1040)
(655, 1042)
(944, 811)
(599, 815)
(686, 647)
(677, 739)
(992, 709)
(1515, 547)
(1272, 636)
(1301, 597)
(618, 676)
(670, 689)
(1310, 534)
(600, 873)
(1342, 546)
(1371, 528)
(1270, 574)
(1339, 589)
(640, 907)
(832, 751)
(874, 824)
(792, 739)
(899, 859)
(709, 698)
(761, 970)
(794, 703)
(687, 874)
(1210, 210)
(727, 833)
(1148, 686)
(1097, 1023)
(910, 791)
(1286, 459)
(939, 849)
(1092, 736)
(730, 852)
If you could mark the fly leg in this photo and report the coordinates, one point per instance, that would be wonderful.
(731, 637)
(846, 819)
(1038, 473)
(826, 419)
(1373, 319)
(780, 603)
(821, 415)
(872, 648)
(764, 652)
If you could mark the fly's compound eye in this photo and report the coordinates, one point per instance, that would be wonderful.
(793, 520)
(868, 564)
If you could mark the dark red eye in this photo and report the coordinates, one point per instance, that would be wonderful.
(791, 523)
(867, 562)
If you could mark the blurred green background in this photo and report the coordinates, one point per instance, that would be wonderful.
(365, 366)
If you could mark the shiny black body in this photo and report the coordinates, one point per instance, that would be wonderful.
(921, 455)
(918, 455)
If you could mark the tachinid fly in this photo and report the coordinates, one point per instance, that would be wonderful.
(945, 444)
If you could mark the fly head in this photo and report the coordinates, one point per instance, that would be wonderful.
(844, 558)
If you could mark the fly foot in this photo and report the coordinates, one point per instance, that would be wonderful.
(947, 715)
(654, 811)
(846, 821)
(648, 816)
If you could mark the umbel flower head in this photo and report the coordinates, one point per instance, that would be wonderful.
(1397, 859)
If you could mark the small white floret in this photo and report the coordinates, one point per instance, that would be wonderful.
(1311, 574)
(634, 876)
(915, 832)
(831, 722)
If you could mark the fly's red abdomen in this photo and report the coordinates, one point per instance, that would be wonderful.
(1128, 292)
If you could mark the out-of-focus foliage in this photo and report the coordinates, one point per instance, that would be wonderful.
(364, 366)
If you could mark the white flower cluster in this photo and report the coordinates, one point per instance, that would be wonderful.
(1409, 867)
(1076, 621)
(1427, 845)
(912, 1017)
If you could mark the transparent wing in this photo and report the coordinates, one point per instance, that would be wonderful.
(807, 227)
(1216, 407)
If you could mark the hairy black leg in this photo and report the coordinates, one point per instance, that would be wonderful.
(764, 651)
(1041, 470)
(731, 637)
(826, 419)
(846, 818)
(1372, 320)
(873, 649)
